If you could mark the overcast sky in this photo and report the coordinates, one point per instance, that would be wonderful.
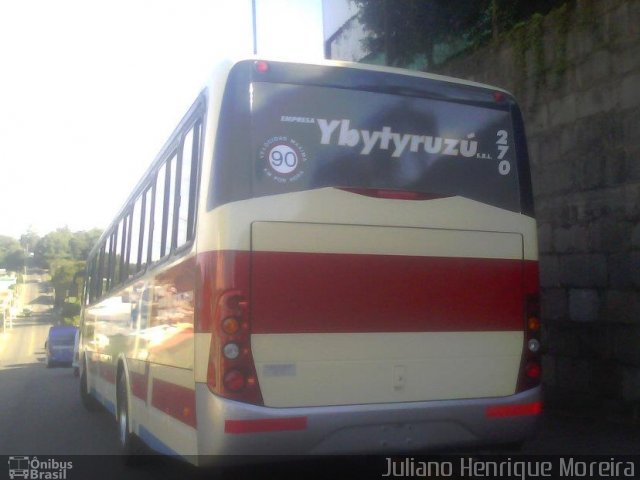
(90, 91)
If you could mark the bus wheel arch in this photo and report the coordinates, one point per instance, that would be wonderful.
(89, 402)
(130, 444)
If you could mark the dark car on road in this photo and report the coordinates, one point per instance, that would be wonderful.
(59, 345)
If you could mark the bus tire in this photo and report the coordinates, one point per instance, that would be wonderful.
(130, 445)
(89, 403)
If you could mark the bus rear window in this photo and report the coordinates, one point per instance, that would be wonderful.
(307, 137)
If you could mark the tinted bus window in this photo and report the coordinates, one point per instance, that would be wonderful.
(170, 206)
(158, 208)
(117, 259)
(317, 128)
(134, 249)
(311, 137)
(146, 227)
(182, 234)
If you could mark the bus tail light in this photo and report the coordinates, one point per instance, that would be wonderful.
(234, 381)
(231, 371)
(261, 66)
(531, 369)
(230, 325)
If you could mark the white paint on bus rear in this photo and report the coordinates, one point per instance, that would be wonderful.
(358, 368)
(229, 225)
(371, 240)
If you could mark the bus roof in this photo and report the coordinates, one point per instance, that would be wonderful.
(224, 66)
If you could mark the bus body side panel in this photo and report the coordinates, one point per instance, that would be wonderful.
(150, 324)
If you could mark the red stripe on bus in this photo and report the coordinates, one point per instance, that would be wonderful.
(265, 425)
(218, 271)
(531, 278)
(500, 411)
(139, 384)
(345, 293)
(175, 400)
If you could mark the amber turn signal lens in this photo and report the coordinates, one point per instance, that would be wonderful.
(533, 324)
(230, 325)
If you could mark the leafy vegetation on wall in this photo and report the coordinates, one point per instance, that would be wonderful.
(407, 29)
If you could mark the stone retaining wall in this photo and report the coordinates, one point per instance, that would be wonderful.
(576, 73)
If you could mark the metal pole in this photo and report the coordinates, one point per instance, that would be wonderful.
(255, 34)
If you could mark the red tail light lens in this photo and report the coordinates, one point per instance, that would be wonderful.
(261, 66)
(502, 411)
(531, 369)
(234, 381)
(232, 371)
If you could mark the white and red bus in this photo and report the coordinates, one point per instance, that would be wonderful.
(323, 258)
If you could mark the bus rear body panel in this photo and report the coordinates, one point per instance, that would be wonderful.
(406, 322)
(397, 333)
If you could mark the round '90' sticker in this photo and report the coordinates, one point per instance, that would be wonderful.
(283, 159)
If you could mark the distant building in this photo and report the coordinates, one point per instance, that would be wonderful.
(343, 32)
(6, 281)
(6, 305)
(346, 42)
(344, 37)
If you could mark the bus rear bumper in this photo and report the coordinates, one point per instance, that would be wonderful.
(240, 429)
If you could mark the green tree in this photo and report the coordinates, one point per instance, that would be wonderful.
(405, 29)
(11, 253)
(81, 243)
(29, 240)
(63, 277)
(14, 260)
(64, 244)
(53, 246)
(8, 244)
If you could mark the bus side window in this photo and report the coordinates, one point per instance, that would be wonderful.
(91, 280)
(146, 225)
(170, 186)
(106, 267)
(126, 247)
(158, 210)
(186, 187)
(112, 260)
(117, 257)
(134, 243)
